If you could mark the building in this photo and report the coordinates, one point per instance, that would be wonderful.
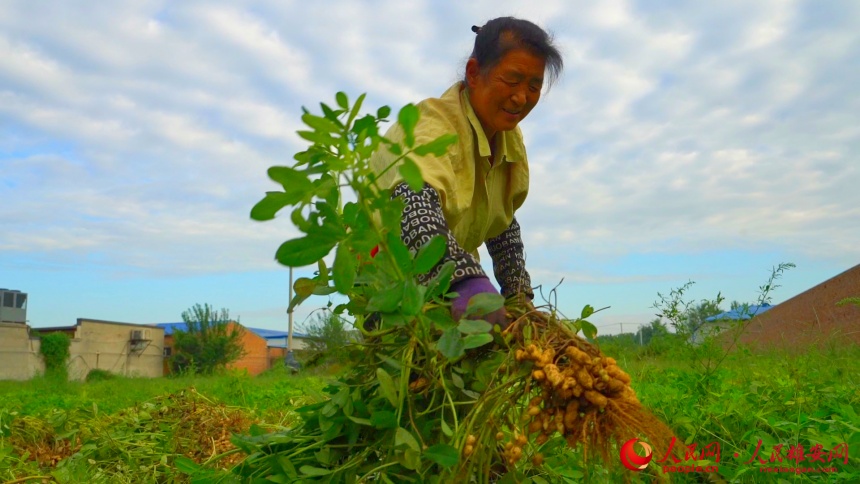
(810, 318)
(716, 324)
(263, 348)
(122, 348)
(13, 306)
(126, 349)
(19, 351)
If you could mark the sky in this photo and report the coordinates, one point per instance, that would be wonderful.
(685, 141)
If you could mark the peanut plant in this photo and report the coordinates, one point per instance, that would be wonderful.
(430, 399)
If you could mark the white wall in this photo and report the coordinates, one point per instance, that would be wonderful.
(104, 345)
(19, 354)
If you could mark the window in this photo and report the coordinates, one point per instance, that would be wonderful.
(21, 301)
(168, 351)
(8, 299)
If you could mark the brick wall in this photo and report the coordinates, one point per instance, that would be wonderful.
(810, 318)
(256, 357)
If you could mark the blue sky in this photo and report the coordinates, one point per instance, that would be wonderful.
(704, 141)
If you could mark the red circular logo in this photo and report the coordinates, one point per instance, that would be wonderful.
(631, 459)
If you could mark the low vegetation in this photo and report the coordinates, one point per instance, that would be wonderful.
(175, 429)
(54, 348)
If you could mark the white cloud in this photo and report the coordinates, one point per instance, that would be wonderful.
(139, 132)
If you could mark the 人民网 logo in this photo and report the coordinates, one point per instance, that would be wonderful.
(631, 459)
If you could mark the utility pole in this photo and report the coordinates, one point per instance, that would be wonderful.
(290, 359)
(290, 317)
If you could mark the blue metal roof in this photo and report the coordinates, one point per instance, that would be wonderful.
(263, 333)
(168, 327)
(271, 333)
(741, 313)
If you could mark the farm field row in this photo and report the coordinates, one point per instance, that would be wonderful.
(745, 421)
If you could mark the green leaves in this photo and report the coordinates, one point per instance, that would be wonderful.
(587, 311)
(484, 303)
(440, 283)
(320, 124)
(437, 147)
(387, 299)
(403, 437)
(400, 252)
(320, 240)
(266, 208)
(451, 344)
(469, 333)
(386, 386)
(588, 329)
(476, 340)
(296, 187)
(408, 118)
(304, 251)
(429, 254)
(342, 100)
(383, 420)
(304, 287)
(343, 271)
(474, 326)
(186, 465)
(413, 298)
(411, 174)
(475, 333)
(314, 471)
(443, 454)
(355, 109)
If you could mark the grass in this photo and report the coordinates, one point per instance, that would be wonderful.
(40, 394)
(151, 430)
(137, 429)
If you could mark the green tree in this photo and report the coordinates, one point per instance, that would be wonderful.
(696, 315)
(327, 336)
(209, 342)
(655, 329)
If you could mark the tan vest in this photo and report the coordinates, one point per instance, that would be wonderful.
(478, 200)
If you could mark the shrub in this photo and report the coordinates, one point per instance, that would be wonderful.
(208, 343)
(55, 352)
(99, 375)
(327, 337)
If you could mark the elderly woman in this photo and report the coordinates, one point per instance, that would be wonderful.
(471, 193)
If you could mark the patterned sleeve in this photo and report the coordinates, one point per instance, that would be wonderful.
(509, 263)
(422, 220)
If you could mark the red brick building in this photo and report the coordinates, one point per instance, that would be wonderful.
(810, 318)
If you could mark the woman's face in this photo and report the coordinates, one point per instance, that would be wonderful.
(508, 92)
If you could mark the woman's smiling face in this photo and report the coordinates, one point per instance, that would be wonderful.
(506, 94)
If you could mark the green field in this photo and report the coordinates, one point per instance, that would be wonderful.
(136, 430)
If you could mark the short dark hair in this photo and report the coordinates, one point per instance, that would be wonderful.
(501, 35)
